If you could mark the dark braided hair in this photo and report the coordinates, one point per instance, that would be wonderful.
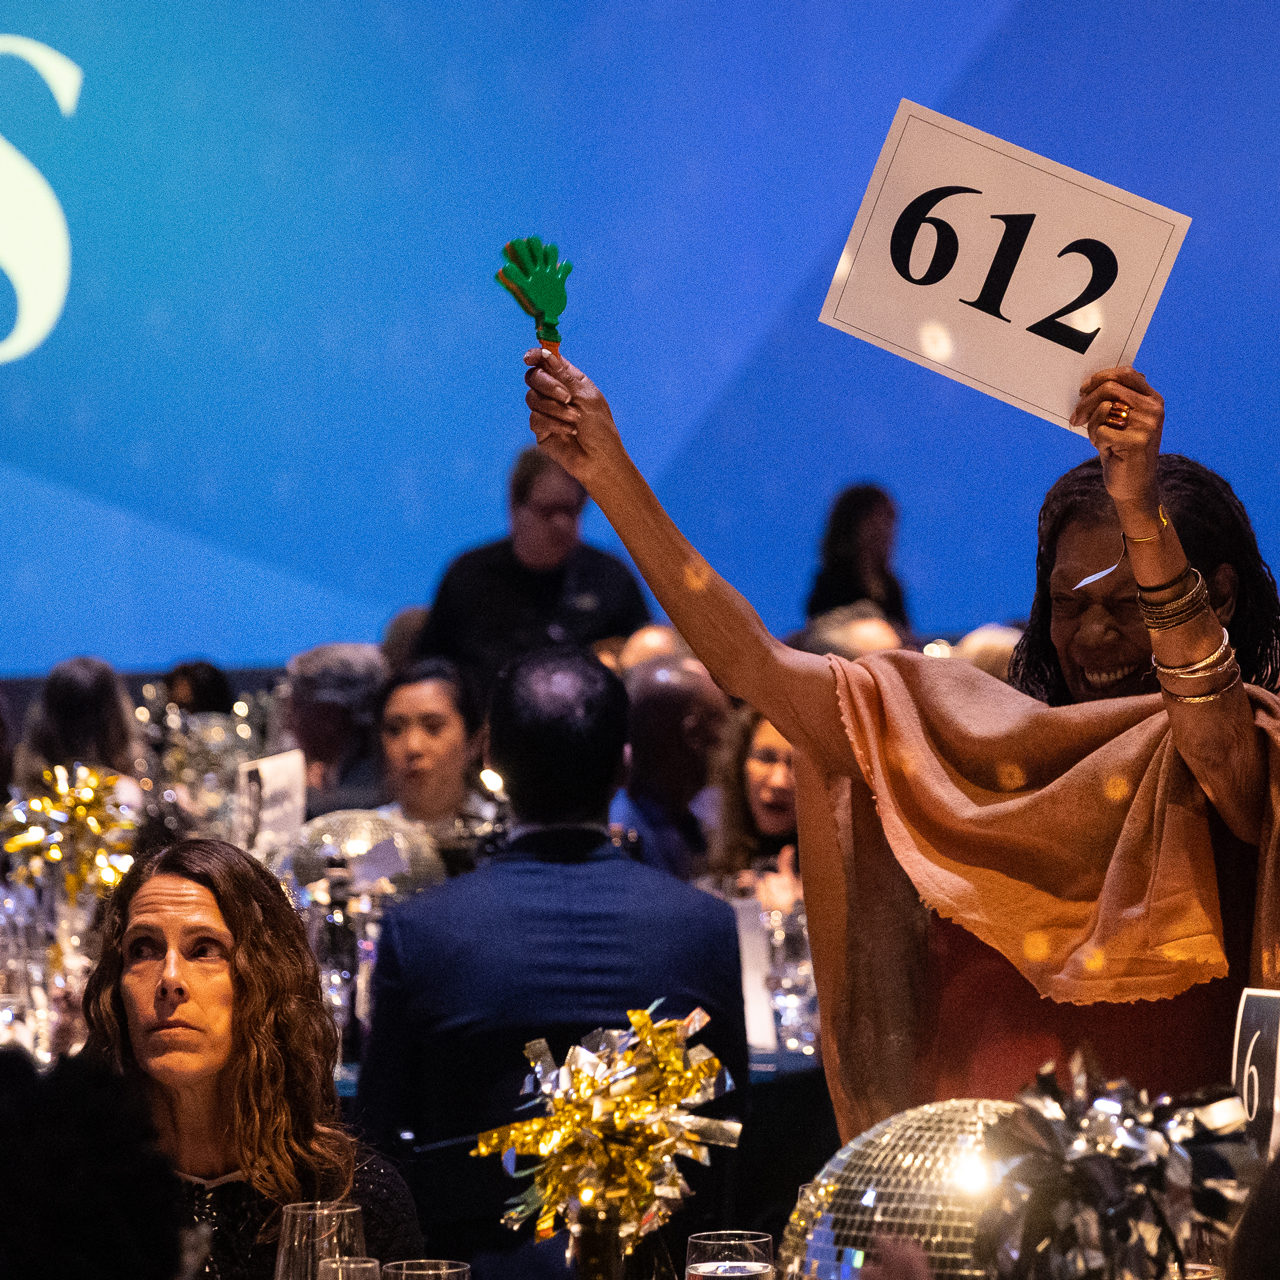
(1215, 530)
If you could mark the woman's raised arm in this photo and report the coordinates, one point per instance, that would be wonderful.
(793, 690)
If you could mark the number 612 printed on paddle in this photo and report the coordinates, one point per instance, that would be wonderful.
(997, 267)
(1017, 226)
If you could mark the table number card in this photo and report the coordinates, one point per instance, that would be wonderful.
(271, 802)
(1253, 1066)
(990, 264)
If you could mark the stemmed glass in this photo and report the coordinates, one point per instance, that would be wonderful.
(311, 1232)
(419, 1268)
(348, 1269)
(730, 1253)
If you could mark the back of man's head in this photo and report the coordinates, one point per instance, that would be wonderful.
(677, 714)
(557, 731)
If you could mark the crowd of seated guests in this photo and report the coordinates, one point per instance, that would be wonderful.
(670, 782)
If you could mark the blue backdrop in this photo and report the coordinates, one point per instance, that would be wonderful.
(285, 390)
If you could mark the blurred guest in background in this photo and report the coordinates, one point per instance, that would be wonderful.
(857, 549)
(654, 640)
(82, 716)
(403, 637)
(540, 585)
(430, 723)
(6, 751)
(558, 934)
(989, 648)
(676, 716)
(757, 787)
(206, 993)
(197, 687)
(852, 631)
(331, 712)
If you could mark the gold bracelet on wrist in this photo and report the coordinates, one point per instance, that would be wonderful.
(1207, 674)
(1173, 613)
(1217, 659)
(1164, 524)
(1206, 697)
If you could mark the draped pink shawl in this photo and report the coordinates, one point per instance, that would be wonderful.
(1074, 840)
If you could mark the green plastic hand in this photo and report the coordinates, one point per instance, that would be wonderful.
(535, 277)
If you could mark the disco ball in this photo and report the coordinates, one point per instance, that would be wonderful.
(922, 1173)
(368, 848)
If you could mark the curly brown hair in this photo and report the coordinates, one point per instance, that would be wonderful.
(288, 1140)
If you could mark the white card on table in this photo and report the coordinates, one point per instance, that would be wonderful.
(1253, 1066)
(271, 802)
(990, 264)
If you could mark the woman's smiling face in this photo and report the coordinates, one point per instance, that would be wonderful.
(1097, 630)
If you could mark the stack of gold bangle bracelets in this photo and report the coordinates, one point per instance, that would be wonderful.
(1207, 678)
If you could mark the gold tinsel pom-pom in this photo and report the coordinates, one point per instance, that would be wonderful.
(75, 830)
(616, 1117)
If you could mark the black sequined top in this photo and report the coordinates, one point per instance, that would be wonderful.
(243, 1243)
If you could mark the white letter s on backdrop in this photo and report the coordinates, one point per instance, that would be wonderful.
(35, 248)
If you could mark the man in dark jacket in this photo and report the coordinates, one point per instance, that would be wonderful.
(560, 933)
(540, 586)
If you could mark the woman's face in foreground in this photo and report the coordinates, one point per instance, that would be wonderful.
(426, 747)
(1097, 631)
(176, 983)
(770, 782)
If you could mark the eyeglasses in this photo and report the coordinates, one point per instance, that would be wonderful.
(766, 758)
(549, 510)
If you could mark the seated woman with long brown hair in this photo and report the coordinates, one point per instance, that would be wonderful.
(207, 992)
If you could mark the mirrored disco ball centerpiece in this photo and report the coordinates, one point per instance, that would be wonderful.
(923, 1173)
(368, 852)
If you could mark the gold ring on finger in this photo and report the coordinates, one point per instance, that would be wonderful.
(1117, 415)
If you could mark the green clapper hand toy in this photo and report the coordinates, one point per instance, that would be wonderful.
(535, 276)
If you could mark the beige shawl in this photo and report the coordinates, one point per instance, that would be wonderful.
(1073, 840)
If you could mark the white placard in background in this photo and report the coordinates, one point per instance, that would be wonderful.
(990, 264)
(1253, 1066)
(271, 802)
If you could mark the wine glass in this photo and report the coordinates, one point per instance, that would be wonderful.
(730, 1253)
(313, 1231)
(348, 1269)
(417, 1268)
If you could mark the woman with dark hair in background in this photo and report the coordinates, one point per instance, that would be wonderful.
(430, 724)
(82, 716)
(1104, 857)
(857, 547)
(207, 993)
(197, 687)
